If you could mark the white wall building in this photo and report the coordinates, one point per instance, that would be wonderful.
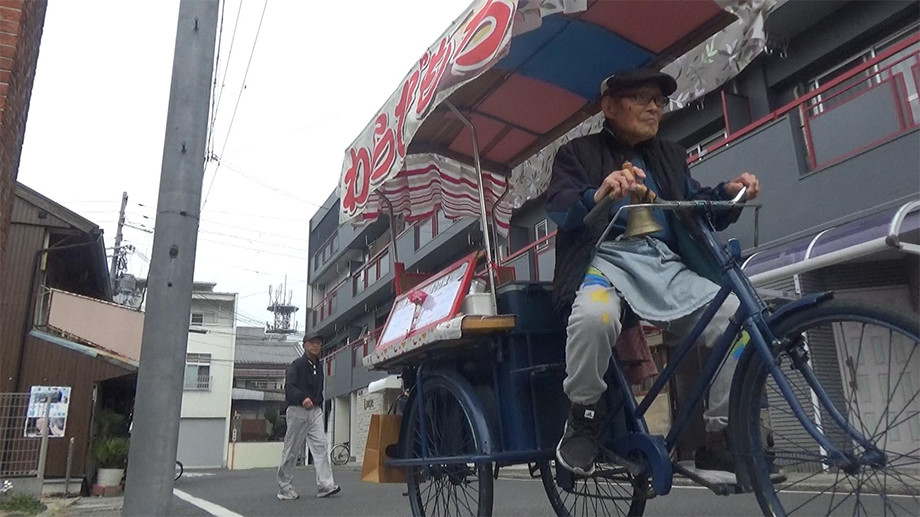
(204, 427)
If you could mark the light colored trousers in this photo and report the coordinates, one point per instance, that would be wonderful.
(592, 331)
(305, 424)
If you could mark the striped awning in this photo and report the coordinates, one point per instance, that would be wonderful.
(524, 72)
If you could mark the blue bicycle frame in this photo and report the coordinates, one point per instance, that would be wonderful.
(752, 317)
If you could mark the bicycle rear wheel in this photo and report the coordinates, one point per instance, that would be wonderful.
(868, 362)
(340, 454)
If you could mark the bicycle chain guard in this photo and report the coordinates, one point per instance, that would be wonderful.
(649, 450)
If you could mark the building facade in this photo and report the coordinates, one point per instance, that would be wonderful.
(54, 286)
(828, 117)
(204, 426)
(21, 24)
(259, 367)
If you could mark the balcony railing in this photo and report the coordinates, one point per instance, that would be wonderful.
(361, 346)
(536, 261)
(371, 272)
(326, 251)
(326, 306)
(888, 83)
(200, 383)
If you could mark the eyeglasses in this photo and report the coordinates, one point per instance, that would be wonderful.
(643, 98)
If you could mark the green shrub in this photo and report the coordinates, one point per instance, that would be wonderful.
(21, 503)
(111, 452)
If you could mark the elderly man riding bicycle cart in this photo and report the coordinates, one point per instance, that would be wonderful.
(502, 373)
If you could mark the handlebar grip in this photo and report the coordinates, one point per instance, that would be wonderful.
(599, 211)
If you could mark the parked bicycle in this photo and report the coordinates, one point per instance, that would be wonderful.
(341, 453)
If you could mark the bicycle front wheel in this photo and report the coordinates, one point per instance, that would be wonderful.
(867, 360)
(452, 431)
(340, 454)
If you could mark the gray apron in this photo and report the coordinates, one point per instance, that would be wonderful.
(652, 279)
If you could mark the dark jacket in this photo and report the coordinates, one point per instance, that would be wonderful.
(304, 379)
(582, 164)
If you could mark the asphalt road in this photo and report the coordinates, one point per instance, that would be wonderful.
(252, 493)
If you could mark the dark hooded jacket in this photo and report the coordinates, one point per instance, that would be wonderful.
(581, 165)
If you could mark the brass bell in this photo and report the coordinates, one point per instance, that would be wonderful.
(640, 222)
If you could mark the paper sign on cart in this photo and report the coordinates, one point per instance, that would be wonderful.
(434, 301)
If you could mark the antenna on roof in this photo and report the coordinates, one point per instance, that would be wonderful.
(283, 310)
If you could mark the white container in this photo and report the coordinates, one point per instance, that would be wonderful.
(109, 477)
(478, 304)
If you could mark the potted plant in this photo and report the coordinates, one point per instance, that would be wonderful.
(110, 451)
(111, 455)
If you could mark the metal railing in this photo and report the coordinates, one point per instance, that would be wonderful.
(872, 69)
(19, 452)
(370, 273)
(538, 258)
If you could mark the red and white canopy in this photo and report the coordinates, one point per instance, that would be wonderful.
(524, 72)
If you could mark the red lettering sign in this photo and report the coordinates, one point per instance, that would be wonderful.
(406, 98)
(384, 148)
(433, 71)
(483, 35)
(357, 180)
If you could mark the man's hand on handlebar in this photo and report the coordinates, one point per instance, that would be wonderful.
(746, 179)
(619, 183)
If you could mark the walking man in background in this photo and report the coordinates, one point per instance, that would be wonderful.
(303, 391)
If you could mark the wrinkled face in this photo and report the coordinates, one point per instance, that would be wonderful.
(312, 347)
(635, 113)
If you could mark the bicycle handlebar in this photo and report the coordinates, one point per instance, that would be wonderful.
(603, 206)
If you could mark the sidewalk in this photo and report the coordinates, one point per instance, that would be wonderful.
(95, 506)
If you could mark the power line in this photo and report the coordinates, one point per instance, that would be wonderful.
(237, 105)
(213, 117)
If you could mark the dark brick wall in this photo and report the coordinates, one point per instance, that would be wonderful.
(21, 23)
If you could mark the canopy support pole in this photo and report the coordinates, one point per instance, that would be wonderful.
(495, 216)
(483, 216)
(392, 225)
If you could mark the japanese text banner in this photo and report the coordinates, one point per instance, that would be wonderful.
(471, 46)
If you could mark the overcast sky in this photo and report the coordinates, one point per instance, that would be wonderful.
(319, 71)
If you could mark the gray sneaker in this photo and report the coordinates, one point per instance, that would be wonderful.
(286, 494)
(332, 491)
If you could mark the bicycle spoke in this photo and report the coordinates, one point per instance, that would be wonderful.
(815, 496)
(894, 390)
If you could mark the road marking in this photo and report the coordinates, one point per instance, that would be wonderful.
(207, 506)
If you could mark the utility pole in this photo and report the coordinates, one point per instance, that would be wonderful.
(116, 254)
(155, 434)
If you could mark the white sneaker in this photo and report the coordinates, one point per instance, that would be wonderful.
(286, 494)
(332, 491)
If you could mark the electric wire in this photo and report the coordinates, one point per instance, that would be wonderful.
(237, 105)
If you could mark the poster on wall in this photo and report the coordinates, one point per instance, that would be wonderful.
(59, 399)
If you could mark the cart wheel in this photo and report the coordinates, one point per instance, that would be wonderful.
(453, 428)
(609, 491)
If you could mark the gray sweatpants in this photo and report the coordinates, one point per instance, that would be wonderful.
(305, 424)
(592, 331)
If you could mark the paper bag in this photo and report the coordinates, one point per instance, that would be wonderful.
(384, 431)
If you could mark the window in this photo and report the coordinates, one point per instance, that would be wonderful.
(197, 372)
(699, 147)
(203, 318)
(897, 64)
(540, 231)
